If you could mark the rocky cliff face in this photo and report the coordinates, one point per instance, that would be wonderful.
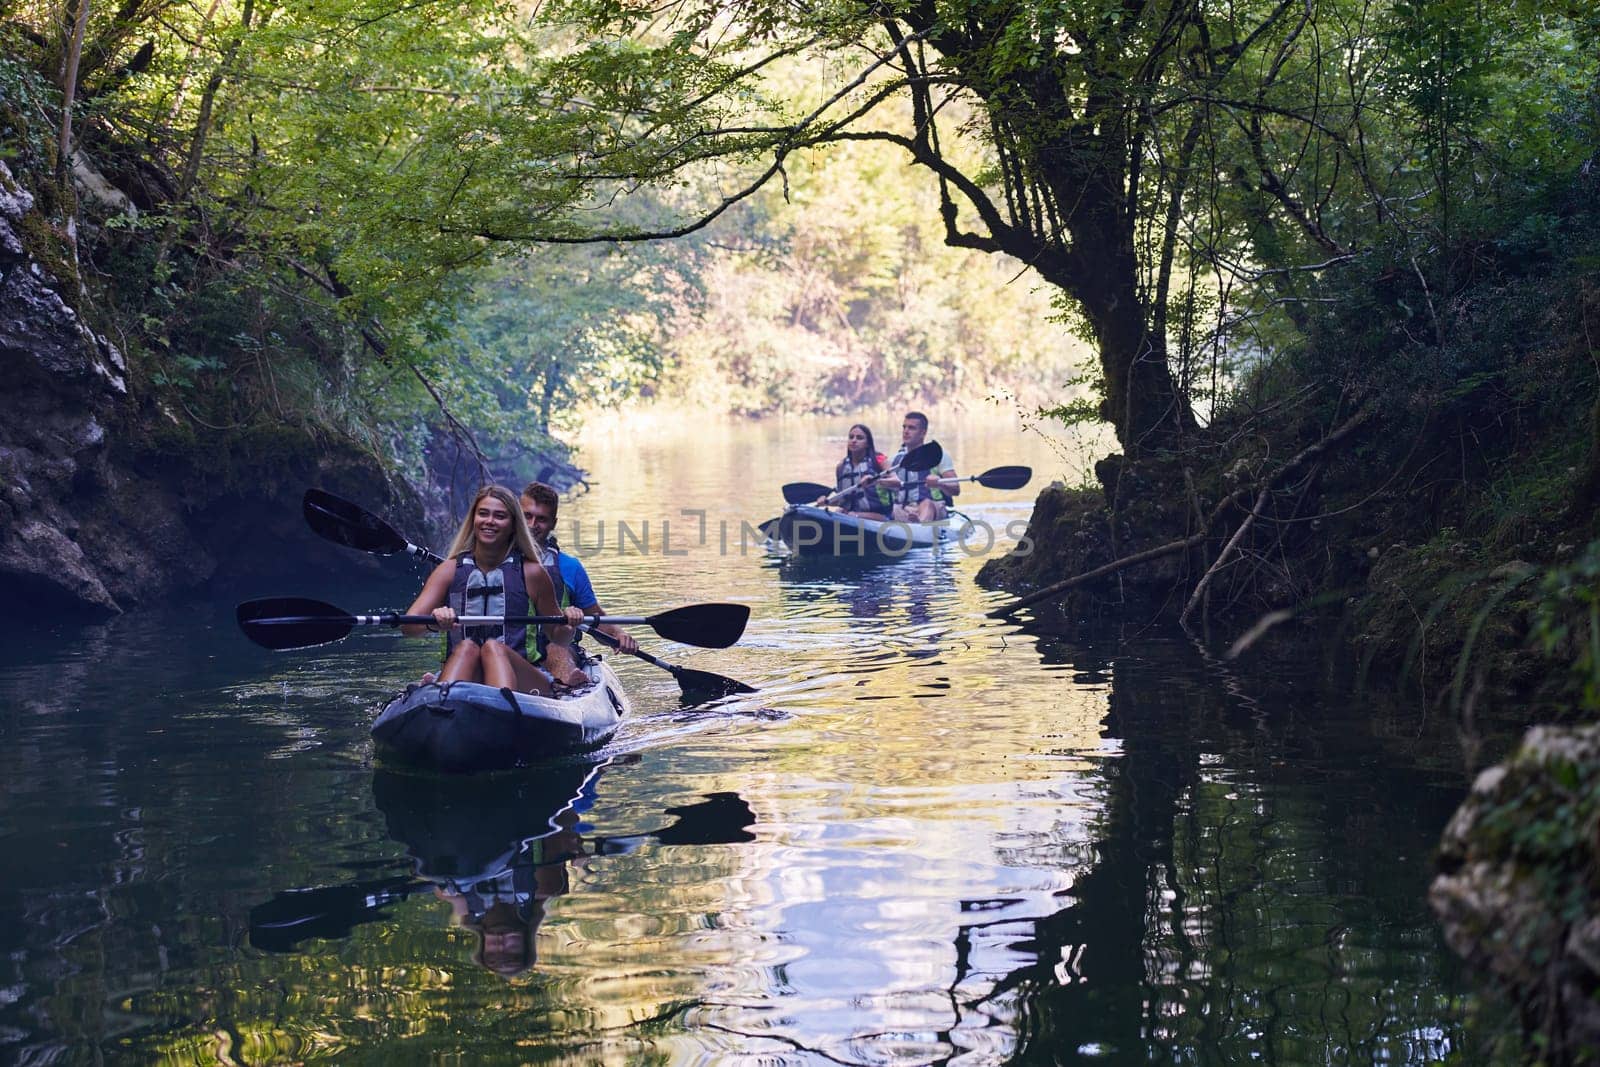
(96, 517)
(62, 384)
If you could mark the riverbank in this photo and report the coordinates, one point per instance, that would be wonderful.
(1438, 513)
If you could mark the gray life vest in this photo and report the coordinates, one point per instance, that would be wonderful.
(550, 556)
(872, 498)
(501, 592)
(913, 490)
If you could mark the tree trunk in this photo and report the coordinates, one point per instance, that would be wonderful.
(547, 402)
(202, 130)
(1100, 271)
(77, 16)
(1141, 397)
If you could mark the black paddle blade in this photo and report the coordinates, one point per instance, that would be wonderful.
(284, 622)
(705, 625)
(701, 686)
(344, 523)
(804, 492)
(1005, 477)
(328, 912)
(923, 457)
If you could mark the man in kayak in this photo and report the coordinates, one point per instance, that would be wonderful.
(540, 503)
(920, 495)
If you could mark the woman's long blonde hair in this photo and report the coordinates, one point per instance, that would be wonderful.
(520, 537)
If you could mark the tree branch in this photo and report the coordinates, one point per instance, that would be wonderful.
(1310, 452)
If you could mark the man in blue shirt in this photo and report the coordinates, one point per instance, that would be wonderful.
(539, 506)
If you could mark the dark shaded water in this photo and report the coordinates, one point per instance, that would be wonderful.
(930, 838)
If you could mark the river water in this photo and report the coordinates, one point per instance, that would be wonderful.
(929, 838)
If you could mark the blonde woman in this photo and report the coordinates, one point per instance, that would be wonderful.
(493, 568)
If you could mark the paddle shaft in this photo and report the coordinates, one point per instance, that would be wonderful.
(606, 639)
(834, 498)
(948, 482)
(346, 523)
(461, 620)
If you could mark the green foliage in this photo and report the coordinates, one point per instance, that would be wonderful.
(1079, 410)
(26, 100)
(563, 329)
(843, 295)
(1546, 827)
(336, 194)
(1566, 625)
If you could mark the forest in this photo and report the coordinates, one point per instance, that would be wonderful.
(1326, 268)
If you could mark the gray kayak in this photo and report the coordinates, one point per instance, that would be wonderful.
(814, 531)
(459, 727)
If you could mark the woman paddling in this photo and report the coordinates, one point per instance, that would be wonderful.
(493, 568)
(855, 477)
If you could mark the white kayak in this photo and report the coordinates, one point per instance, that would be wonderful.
(460, 727)
(814, 531)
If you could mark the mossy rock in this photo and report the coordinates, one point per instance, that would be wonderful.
(51, 247)
(1518, 889)
(1139, 505)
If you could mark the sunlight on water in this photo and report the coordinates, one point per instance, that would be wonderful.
(930, 837)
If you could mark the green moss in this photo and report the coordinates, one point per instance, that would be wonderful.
(260, 456)
(49, 246)
(1545, 825)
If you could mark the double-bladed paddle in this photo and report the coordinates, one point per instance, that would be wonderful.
(287, 622)
(351, 525)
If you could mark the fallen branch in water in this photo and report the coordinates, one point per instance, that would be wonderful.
(1222, 557)
(1233, 499)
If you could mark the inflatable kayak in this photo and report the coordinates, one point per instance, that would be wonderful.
(814, 531)
(459, 727)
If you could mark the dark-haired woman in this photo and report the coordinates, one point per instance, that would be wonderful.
(856, 477)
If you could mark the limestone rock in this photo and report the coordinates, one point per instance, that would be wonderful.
(1518, 889)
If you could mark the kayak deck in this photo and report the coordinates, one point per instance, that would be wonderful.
(814, 531)
(460, 727)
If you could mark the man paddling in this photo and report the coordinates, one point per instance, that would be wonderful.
(920, 495)
(540, 503)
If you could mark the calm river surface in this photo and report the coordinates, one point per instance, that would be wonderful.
(929, 838)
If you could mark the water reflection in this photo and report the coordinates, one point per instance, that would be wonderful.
(911, 587)
(1244, 903)
(976, 844)
(494, 849)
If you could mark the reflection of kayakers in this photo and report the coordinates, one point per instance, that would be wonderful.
(920, 495)
(504, 902)
(856, 477)
(495, 848)
(504, 909)
(493, 568)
